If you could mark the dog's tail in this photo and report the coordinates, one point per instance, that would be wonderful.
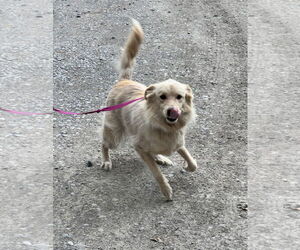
(130, 50)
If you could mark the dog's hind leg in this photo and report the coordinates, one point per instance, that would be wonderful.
(163, 160)
(106, 162)
(111, 139)
(158, 175)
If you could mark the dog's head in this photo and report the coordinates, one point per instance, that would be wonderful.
(170, 103)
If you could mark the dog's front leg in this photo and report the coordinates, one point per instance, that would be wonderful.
(158, 175)
(191, 162)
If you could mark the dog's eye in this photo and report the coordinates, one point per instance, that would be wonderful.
(179, 97)
(163, 97)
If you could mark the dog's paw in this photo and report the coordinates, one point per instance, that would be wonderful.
(162, 160)
(191, 167)
(166, 189)
(106, 165)
(167, 192)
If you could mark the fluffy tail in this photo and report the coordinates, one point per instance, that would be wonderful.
(130, 50)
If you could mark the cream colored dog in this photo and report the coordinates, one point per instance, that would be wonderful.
(156, 124)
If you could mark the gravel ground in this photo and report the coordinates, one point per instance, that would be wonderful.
(202, 44)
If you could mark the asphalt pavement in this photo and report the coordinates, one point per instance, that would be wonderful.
(53, 192)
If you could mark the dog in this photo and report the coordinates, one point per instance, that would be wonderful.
(156, 124)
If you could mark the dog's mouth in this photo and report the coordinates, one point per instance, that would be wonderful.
(172, 115)
(171, 120)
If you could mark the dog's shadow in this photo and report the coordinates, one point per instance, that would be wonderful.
(129, 181)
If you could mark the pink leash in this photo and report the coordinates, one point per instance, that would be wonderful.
(110, 108)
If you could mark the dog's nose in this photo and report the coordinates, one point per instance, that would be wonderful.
(173, 112)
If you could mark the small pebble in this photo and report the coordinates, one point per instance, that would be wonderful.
(70, 243)
(89, 164)
(27, 243)
(156, 239)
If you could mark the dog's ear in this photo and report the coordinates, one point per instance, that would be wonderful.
(189, 95)
(149, 92)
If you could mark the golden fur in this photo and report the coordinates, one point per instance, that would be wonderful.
(154, 132)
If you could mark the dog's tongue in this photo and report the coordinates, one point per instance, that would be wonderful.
(174, 113)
